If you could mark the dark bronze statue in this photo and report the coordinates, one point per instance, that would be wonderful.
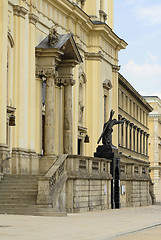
(107, 129)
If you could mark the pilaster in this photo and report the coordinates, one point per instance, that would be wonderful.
(20, 133)
(3, 69)
(32, 84)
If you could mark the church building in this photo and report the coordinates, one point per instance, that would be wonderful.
(58, 82)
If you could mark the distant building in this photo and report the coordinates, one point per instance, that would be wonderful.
(133, 139)
(155, 144)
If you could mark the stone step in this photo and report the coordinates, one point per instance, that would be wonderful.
(18, 181)
(17, 188)
(18, 194)
(30, 210)
(17, 206)
(15, 176)
(16, 201)
(19, 191)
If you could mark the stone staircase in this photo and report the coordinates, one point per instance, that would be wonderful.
(18, 195)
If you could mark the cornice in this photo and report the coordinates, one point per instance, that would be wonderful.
(130, 88)
(70, 9)
(19, 11)
(153, 99)
(108, 33)
(94, 56)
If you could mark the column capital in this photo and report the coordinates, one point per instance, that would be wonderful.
(64, 81)
(19, 11)
(127, 122)
(46, 73)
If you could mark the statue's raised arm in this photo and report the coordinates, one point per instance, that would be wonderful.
(106, 135)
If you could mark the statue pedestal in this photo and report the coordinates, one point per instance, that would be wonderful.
(106, 151)
(111, 152)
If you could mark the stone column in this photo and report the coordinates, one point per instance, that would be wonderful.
(66, 79)
(144, 142)
(131, 134)
(127, 134)
(123, 134)
(134, 138)
(141, 141)
(49, 148)
(138, 140)
(147, 137)
(119, 131)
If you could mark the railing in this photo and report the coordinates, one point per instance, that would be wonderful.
(47, 183)
(4, 160)
(1, 166)
(2, 163)
(56, 171)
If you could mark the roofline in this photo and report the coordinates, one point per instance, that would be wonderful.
(133, 91)
(121, 44)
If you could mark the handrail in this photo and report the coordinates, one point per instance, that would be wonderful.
(4, 161)
(56, 171)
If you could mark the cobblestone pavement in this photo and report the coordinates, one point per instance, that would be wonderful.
(128, 223)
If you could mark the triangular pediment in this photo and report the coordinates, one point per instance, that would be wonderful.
(66, 44)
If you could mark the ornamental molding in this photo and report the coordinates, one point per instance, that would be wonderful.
(82, 76)
(33, 18)
(10, 39)
(115, 68)
(64, 81)
(46, 73)
(107, 84)
(19, 11)
(94, 56)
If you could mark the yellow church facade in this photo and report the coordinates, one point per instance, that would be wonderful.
(59, 81)
(24, 24)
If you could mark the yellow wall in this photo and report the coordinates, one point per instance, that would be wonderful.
(28, 24)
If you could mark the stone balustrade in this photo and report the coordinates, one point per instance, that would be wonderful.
(134, 183)
(75, 184)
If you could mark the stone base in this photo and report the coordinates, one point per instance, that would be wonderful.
(46, 162)
(106, 151)
(24, 161)
(5, 163)
(111, 152)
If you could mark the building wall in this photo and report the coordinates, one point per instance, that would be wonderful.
(27, 25)
(134, 133)
(155, 144)
(134, 184)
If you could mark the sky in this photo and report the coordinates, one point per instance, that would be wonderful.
(138, 22)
